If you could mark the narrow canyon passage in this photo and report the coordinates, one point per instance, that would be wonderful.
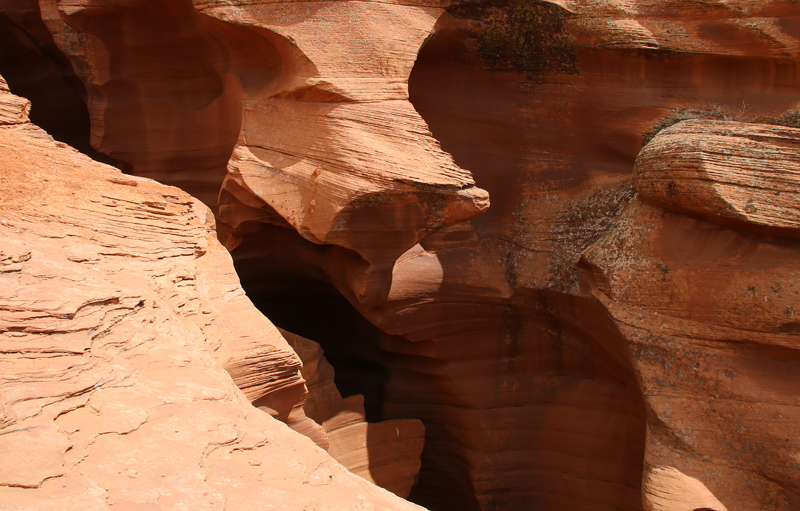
(555, 157)
(279, 272)
(37, 70)
(483, 324)
(510, 387)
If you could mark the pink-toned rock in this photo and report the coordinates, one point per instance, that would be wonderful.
(741, 174)
(118, 309)
(709, 317)
(526, 339)
(364, 175)
(385, 453)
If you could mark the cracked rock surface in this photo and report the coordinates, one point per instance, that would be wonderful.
(116, 322)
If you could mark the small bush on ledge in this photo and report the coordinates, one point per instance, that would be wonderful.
(526, 35)
(790, 118)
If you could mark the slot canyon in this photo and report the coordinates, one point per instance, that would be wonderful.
(479, 255)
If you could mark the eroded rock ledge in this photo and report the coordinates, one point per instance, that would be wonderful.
(577, 346)
(118, 310)
(734, 173)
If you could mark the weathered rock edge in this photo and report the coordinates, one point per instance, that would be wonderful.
(118, 310)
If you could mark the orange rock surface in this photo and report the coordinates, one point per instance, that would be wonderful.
(118, 311)
(386, 453)
(715, 340)
(746, 175)
(616, 331)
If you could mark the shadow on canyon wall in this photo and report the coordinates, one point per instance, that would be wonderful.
(527, 392)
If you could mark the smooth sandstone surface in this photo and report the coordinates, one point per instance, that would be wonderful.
(118, 310)
(318, 120)
(386, 453)
(592, 340)
(735, 173)
(708, 314)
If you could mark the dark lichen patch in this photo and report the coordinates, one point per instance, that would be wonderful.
(581, 224)
(528, 36)
(790, 118)
(435, 205)
(371, 200)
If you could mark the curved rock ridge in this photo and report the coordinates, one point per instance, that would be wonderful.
(766, 28)
(709, 316)
(710, 313)
(343, 157)
(734, 173)
(385, 453)
(326, 136)
(118, 310)
(164, 83)
(498, 324)
(573, 347)
(371, 182)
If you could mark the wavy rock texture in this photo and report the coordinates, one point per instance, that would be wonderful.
(716, 338)
(709, 316)
(326, 137)
(386, 453)
(733, 173)
(365, 175)
(170, 99)
(515, 336)
(118, 310)
(556, 162)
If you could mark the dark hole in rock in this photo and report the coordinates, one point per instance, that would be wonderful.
(36, 70)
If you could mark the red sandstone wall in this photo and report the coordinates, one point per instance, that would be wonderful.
(544, 341)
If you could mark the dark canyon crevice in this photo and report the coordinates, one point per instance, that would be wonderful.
(36, 69)
(496, 328)
(280, 272)
(167, 100)
(543, 151)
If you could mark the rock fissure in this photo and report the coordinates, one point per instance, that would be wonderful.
(577, 345)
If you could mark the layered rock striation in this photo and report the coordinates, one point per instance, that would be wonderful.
(716, 339)
(589, 341)
(386, 453)
(731, 173)
(118, 314)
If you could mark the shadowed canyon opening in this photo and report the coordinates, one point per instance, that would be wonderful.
(485, 330)
(36, 69)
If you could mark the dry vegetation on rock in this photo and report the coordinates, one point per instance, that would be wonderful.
(575, 345)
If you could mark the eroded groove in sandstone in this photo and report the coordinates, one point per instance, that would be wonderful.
(547, 344)
(170, 104)
(386, 453)
(118, 308)
(555, 162)
(36, 69)
(714, 345)
(165, 85)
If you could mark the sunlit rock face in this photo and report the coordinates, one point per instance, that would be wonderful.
(556, 158)
(610, 333)
(386, 453)
(119, 315)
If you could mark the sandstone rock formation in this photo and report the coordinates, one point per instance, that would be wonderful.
(709, 315)
(386, 453)
(171, 99)
(732, 173)
(573, 346)
(119, 308)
